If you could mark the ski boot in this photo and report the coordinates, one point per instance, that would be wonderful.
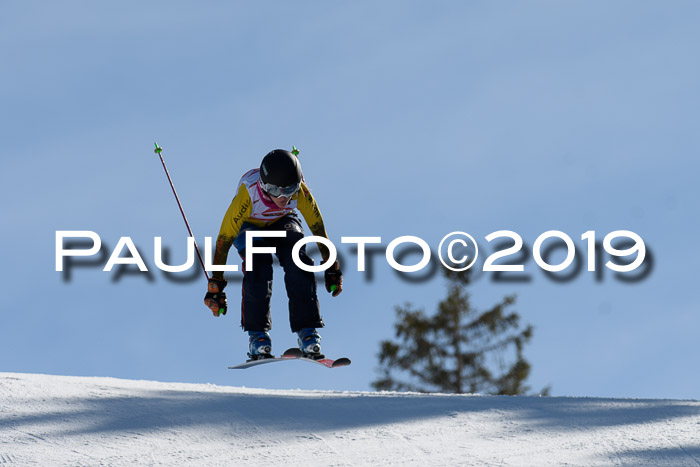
(310, 343)
(259, 345)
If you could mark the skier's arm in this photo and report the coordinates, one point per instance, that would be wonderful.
(237, 212)
(312, 215)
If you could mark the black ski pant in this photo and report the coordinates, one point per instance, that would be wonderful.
(304, 310)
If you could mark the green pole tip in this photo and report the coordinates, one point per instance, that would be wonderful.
(158, 149)
(295, 151)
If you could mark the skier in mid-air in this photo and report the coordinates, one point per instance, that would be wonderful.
(267, 199)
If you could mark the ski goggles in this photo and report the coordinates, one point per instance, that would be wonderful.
(277, 191)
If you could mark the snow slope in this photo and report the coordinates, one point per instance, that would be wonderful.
(62, 420)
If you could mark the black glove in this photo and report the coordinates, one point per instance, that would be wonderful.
(334, 279)
(215, 298)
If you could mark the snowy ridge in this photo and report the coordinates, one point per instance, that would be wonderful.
(63, 420)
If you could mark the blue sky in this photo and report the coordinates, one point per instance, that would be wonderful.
(412, 119)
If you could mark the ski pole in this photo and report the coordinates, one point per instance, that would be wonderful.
(158, 151)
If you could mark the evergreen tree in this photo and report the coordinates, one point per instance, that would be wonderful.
(458, 349)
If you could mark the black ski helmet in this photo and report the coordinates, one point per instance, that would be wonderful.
(280, 168)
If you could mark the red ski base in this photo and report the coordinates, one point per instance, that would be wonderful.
(294, 354)
(327, 362)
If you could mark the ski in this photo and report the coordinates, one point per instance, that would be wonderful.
(327, 362)
(261, 361)
(294, 354)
